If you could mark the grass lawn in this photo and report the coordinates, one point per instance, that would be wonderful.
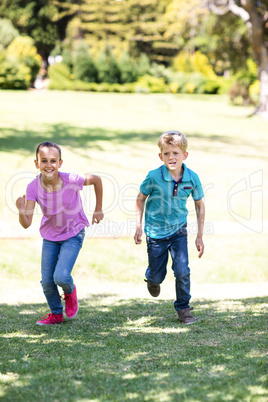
(129, 349)
(115, 135)
(124, 345)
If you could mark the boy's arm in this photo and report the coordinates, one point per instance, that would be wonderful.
(26, 210)
(200, 214)
(140, 202)
(94, 180)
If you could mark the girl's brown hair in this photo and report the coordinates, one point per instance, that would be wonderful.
(48, 145)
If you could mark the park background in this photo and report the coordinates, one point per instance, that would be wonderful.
(124, 345)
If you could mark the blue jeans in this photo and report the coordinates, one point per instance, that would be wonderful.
(156, 272)
(58, 259)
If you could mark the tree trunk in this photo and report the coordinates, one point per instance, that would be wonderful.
(263, 77)
(248, 12)
(261, 53)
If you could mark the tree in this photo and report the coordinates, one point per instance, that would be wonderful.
(107, 67)
(127, 69)
(224, 39)
(255, 14)
(7, 32)
(84, 66)
(44, 21)
(131, 26)
(184, 21)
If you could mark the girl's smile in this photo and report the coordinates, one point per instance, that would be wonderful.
(48, 163)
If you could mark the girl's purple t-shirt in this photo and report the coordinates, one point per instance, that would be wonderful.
(63, 214)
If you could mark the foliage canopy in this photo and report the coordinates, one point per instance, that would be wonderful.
(158, 28)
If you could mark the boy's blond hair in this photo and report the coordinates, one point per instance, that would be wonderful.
(175, 138)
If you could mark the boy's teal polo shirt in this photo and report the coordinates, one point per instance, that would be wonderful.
(166, 213)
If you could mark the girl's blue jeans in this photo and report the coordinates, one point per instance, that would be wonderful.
(57, 262)
(158, 250)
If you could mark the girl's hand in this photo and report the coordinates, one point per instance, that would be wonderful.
(21, 203)
(97, 217)
(26, 210)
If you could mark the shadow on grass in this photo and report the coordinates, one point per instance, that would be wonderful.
(134, 350)
(69, 136)
(80, 138)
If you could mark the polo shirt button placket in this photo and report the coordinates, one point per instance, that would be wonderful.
(175, 190)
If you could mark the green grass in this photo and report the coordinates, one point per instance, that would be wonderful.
(135, 350)
(125, 262)
(116, 135)
(124, 345)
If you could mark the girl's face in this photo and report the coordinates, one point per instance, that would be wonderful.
(48, 162)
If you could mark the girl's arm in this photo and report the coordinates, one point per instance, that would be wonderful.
(94, 180)
(26, 210)
(200, 214)
(140, 202)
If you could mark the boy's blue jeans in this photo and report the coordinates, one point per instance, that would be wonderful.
(157, 250)
(57, 262)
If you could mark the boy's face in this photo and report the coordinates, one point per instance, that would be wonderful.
(172, 156)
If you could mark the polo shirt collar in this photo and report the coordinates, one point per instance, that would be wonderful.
(167, 176)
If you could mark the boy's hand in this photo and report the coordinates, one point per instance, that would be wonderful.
(138, 235)
(97, 217)
(21, 203)
(200, 246)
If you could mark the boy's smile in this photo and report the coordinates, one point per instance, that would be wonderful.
(173, 157)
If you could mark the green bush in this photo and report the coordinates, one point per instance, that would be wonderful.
(180, 79)
(105, 87)
(107, 67)
(193, 63)
(249, 74)
(197, 83)
(84, 66)
(188, 83)
(212, 87)
(19, 64)
(160, 71)
(225, 84)
(67, 58)
(239, 92)
(85, 86)
(147, 83)
(254, 91)
(60, 77)
(13, 75)
(143, 66)
(127, 88)
(22, 48)
(127, 68)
